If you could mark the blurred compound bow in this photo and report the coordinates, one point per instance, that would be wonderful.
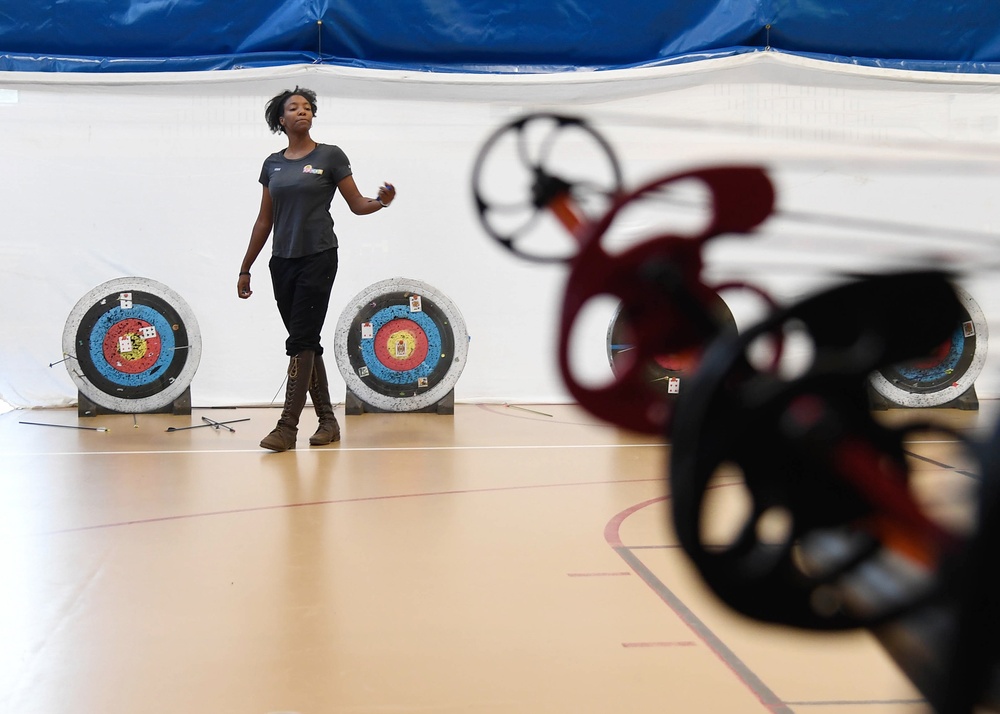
(832, 535)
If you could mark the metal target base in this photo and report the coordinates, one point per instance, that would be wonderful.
(132, 346)
(181, 406)
(968, 401)
(355, 405)
(401, 346)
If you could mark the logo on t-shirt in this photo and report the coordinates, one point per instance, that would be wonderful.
(308, 169)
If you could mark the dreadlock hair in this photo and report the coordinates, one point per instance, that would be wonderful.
(276, 107)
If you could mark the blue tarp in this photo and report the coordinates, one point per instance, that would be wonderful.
(480, 36)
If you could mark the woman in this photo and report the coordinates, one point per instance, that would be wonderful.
(299, 183)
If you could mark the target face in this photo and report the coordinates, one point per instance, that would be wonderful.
(401, 345)
(132, 345)
(665, 373)
(947, 374)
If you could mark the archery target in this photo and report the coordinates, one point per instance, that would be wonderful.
(664, 373)
(401, 345)
(132, 345)
(947, 374)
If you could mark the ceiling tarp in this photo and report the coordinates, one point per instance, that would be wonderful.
(485, 35)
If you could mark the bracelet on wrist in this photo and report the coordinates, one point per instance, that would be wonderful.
(383, 205)
(244, 273)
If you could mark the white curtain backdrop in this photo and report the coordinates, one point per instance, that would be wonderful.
(155, 175)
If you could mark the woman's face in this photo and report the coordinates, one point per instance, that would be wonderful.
(297, 115)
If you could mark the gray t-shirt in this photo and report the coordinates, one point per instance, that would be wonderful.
(301, 193)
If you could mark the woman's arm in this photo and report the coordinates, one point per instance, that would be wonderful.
(258, 238)
(361, 205)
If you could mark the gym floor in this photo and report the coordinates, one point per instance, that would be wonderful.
(506, 559)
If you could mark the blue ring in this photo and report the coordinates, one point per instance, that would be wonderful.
(112, 317)
(424, 369)
(942, 370)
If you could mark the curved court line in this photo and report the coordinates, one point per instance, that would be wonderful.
(612, 534)
(768, 698)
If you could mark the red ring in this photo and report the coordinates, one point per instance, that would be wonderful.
(130, 326)
(386, 356)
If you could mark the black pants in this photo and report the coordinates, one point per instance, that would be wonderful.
(302, 289)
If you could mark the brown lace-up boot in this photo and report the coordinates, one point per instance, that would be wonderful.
(319, 390)
(282, 438)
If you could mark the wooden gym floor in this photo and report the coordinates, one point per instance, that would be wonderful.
(502, 560)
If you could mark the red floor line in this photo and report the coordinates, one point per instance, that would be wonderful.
(330, 502)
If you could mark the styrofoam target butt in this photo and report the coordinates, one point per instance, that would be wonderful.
(401, 345)
(946, 375)
(132, 345)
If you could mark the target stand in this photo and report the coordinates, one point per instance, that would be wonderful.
(132, 346)
(354, 405)
(401, 346)
(946, 380)
(86, 407)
